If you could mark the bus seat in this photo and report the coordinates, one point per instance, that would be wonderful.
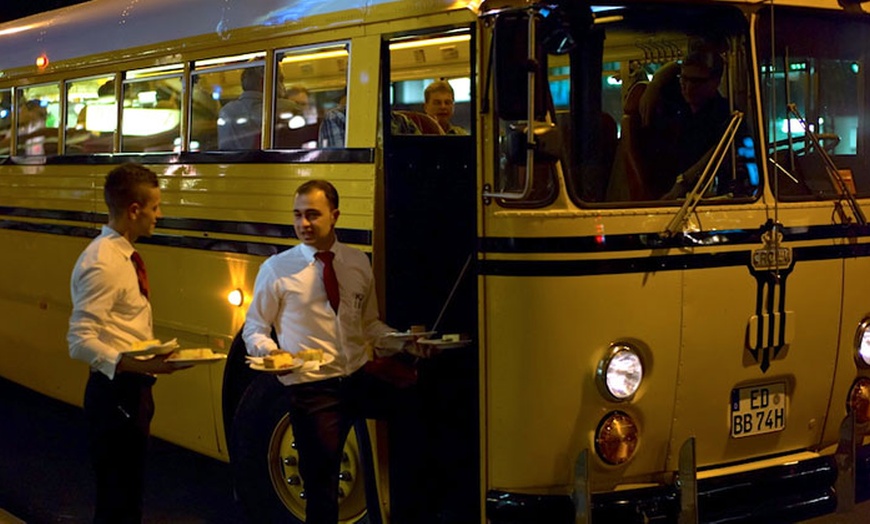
(628, 173)
(427, 124)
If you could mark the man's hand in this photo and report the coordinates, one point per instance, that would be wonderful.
(156, 365)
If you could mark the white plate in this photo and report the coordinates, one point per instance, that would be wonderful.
(443, 344)
(256, 363)
(154, 349)
(408, 335)
(310, 365)
(214, 357)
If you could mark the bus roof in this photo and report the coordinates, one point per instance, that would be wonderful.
(101, 26)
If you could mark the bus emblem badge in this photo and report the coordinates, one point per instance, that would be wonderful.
(771, 266)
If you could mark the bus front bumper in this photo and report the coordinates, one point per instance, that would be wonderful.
(786, 493)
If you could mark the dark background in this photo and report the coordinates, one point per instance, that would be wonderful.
(21, 8)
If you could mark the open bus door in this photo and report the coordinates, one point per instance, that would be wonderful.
(429, 276)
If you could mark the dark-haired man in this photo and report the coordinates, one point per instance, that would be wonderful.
(111, 311)
(320, 295)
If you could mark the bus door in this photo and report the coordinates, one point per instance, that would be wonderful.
(430, 234)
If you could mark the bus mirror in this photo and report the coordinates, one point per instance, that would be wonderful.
(547, 146)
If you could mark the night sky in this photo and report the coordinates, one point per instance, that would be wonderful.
(20, 8)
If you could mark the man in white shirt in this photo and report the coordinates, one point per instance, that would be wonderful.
(290, 293)
(111, 310)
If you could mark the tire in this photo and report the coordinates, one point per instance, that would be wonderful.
(264, 460)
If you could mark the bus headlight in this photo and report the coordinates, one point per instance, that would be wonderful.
(862, 344)
(616, 438)
(620, 373)
(859, 400)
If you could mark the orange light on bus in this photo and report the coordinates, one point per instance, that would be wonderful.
(41, 61)
(236, 297)
(616, 438)
(859, 400)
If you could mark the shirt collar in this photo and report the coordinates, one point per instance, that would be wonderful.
(309, 251)
(118, 240)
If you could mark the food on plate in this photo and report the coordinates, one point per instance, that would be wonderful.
(191, 354)
(142, 344)
(278, 361)
(310, 355)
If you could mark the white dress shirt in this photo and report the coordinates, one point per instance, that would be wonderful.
(289, 293)
(109, 312)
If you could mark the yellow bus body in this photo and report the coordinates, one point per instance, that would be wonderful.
(557, 283)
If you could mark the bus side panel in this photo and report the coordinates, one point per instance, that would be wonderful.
(34, 313)
(546, 337)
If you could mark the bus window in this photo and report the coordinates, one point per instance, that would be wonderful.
(434, 99)
(38, 119)
(219, 82)
(652, 103)
(5, 120)
(92, 115)
(815, 88)
(152, 109)
(310, 93)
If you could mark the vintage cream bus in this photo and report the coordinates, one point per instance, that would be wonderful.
(667, 300)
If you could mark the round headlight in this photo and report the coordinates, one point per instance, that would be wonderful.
(862, 344)
(859, 400)
(616, 438)
(620, 372)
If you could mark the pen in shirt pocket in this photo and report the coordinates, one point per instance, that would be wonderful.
(123, 411)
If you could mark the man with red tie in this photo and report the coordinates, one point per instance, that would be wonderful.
(111, 311)
(320, 295)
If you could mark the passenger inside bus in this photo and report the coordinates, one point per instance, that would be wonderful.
(32, 129)
(670, 126)
(292, 130)
(240, 120)
(439, 104)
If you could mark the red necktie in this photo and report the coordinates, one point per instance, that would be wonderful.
(141, 274)
(329, 279)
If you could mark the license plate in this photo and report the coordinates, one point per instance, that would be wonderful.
(758, 410)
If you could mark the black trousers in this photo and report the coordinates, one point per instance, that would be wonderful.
(119, 413)
(322, 414)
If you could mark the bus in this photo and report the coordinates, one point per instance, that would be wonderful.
(662, 304)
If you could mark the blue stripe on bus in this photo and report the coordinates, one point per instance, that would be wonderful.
(348, 236)
(642, 241)
(198, 225)
(657, 263)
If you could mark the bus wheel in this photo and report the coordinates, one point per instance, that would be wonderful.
(265, 461)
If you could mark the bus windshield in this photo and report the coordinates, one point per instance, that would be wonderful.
(641, 102)
(814, 95)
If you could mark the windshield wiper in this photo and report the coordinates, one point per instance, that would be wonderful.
(693, 197)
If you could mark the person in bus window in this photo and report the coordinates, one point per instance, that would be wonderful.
(438, 102)
(110, 312)
(292, 293)
(331, 132)
(240, 121)
(686, 129)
